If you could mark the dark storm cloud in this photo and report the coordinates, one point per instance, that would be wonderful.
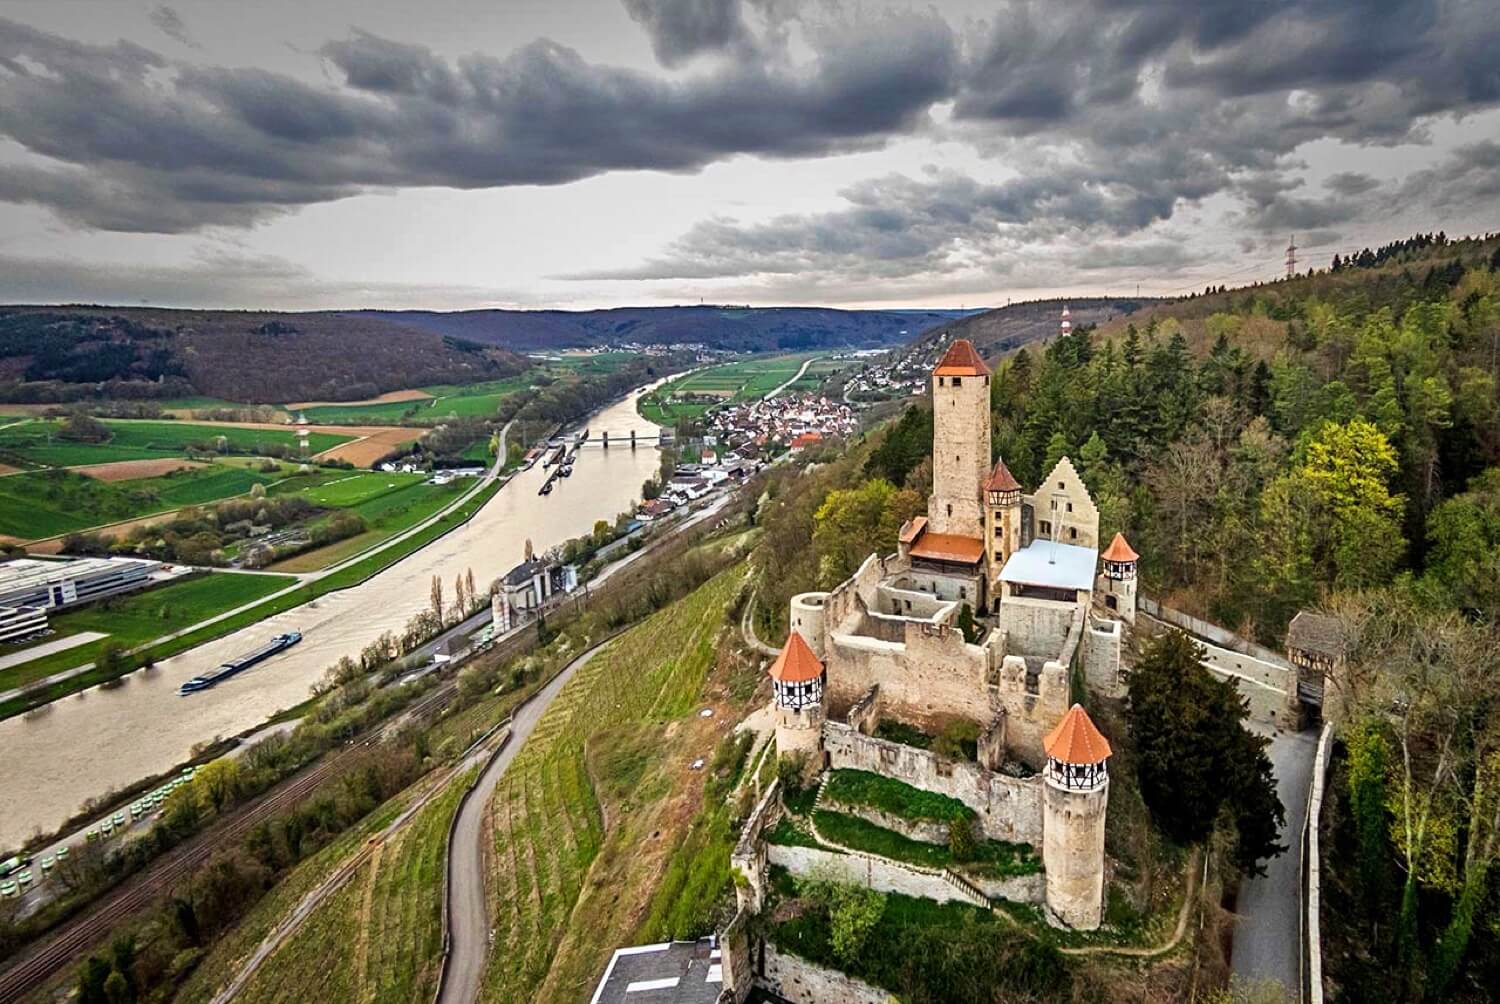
(1350, 183)
(1104, 118)
(170, 23)
(150, 128)
(682, 29)
(1469, 176)
(1118, 113)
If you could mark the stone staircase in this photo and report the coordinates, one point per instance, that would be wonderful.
(965, 889)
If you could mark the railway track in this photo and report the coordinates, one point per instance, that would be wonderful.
(44, 959)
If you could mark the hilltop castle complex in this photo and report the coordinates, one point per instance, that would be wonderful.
(886, 646)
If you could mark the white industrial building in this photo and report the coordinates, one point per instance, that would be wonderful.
(30, 587)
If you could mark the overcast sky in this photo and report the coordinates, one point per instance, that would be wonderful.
(579, 153)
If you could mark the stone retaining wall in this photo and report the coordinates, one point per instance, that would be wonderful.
(880, 874)
(802, 982)
(1008, 808)
(927, 831)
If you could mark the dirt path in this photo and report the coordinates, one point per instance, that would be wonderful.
(389, 397)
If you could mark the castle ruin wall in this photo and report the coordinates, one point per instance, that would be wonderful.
(1008, 808)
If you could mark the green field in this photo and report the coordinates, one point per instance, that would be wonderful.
(140, 617)
(478, 400)
(343, 489)
(545, 812)
(40, 504)
(386, 512)
(36, 443)
(350, 575)
(742, 380)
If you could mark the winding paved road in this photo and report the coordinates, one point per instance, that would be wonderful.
(469, 919)
(1268, 939)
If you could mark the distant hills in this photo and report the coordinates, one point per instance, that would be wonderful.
(65, 353)
(735, 329)
(1005, 329)
(59, 354)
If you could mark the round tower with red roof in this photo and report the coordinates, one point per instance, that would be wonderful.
(798, 681)
(1075, 794)
(1116, 583)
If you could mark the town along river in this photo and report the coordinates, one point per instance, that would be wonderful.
(87, 744)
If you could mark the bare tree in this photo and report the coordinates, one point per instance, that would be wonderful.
(436, 598)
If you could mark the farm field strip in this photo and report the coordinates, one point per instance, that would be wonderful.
(39, 504)
(545, 812)
(742, 380)
(37, 442)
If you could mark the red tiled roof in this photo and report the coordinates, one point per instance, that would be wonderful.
(1076, 740)
(949, 547)
(797, 662)
(1119, 549)
(912, 529)
(1001, 479)
(807, 439)
(961, 359)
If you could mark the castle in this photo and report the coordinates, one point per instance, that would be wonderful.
(1044, 602)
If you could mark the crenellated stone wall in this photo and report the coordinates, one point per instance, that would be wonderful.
(880, 874)
(1008, 808)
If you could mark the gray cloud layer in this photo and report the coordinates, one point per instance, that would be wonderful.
(1106, 116)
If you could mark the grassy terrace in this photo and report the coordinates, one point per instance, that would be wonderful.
(994, 858)
(224, 959)
(547, 818)
(349, 575)
(940, 952)
(858, 787)
(139, 617)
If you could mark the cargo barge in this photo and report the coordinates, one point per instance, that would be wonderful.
(224, 671)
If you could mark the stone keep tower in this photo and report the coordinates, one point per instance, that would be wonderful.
(1075, 793)
(960, 441)
(798, 681)
(1116, 584)
(1002, 523)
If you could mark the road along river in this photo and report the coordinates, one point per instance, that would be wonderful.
(101, 739)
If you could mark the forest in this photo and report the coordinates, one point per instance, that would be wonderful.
(57, 355)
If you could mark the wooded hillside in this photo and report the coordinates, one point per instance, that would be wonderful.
(736, 329)
(50, 354)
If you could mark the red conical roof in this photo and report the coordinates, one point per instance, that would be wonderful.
(1119, 549)
(1076, 740)
(1001, 479)
(797, 662)
(961, 359)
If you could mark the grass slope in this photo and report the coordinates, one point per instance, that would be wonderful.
(546, 814)
(47, 503)
(379, 938)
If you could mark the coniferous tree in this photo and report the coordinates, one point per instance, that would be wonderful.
(1194, 755)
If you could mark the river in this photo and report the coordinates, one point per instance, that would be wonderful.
(86, 744)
